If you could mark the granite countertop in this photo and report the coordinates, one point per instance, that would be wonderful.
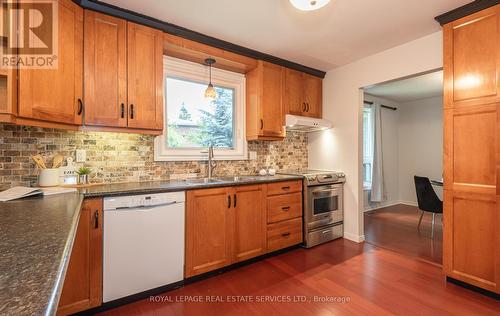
(37, 234)
(115, 189)
(36, 237)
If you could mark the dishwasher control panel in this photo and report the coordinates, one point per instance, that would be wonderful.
(143, 200)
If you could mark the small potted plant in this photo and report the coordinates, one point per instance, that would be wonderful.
(83, 175)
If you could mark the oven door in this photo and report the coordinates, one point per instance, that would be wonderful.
(324, 205)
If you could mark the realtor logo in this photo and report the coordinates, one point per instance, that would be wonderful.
(29, 31)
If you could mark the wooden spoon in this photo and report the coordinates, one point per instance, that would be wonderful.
(38, 159)
(57, 161)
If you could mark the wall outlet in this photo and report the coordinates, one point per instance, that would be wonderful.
(81, 155)
(252, 155)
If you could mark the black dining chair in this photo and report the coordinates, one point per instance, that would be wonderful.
(428, 201)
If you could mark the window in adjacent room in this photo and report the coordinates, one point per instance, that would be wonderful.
(192, 122)
(368, 125)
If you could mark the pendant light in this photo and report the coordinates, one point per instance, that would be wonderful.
(309, 5)
(210, 92)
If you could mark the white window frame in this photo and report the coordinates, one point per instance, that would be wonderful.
(182, 69)
(366, 158)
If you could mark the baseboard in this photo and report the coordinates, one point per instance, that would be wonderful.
(354, 237)
(381, 205)
(411, 203)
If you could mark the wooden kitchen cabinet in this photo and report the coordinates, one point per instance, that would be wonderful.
(284, 214)
(224, 226)
(209, 226)
(250, 222)
(145, 77)
(123, 74)
(313, 95)
(471, 149)
(82, 287)
(302, 94)
(56, 95)
(105, 73)
(265, 115)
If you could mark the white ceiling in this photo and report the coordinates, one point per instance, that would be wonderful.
(341, 32)
(415, 88)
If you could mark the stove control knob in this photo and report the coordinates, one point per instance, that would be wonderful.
(341, 175)
(311, 178)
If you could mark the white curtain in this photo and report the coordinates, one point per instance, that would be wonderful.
(378, 189)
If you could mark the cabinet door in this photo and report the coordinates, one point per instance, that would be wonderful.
(471, 150)
(105, 72)
(208, 230)
(313, 95)
(145, 77)
(250, 222)
(293, 92)
(271, 106)
(56, 94)
(472, 56)
(82, 287)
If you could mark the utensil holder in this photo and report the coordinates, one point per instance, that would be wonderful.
(48, 177)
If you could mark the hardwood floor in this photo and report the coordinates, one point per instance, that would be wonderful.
(367, 280)
(395, 228)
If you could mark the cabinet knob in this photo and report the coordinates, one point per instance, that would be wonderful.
(261, 124)
(307, 107)
(132, 111)
(228, 201)
(234, 205)
(304, 107)
(285, 234)
(96, 219)
(122, 110)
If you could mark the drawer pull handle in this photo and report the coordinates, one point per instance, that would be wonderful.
(285, 208)
(285, 188)
(285, 234)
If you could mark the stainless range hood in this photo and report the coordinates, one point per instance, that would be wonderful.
(305, 124)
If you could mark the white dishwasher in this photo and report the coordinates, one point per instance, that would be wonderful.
(143, 243)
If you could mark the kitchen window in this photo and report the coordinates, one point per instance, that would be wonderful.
(368, 125)
(193, 123)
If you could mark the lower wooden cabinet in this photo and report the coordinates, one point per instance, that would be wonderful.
(284, 234)
(223, 226)
(229, 225)
(249, 222)
(82, 287)
(208, 230)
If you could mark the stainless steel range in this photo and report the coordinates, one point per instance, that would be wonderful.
(323, 205)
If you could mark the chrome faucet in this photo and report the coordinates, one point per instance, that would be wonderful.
(211, 164)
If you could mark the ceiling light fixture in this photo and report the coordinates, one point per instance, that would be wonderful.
(309, 5)
(210, 92)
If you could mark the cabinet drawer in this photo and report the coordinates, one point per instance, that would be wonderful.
(284, 234)
(284, 187)
(283, 207)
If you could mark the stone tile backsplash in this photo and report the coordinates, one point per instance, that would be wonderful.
(123, 157)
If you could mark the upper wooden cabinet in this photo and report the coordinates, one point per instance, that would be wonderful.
(145, 77)
(105, 55)
(123, 73)
(471, 149)
(82, 287)
(57, 94)
(265, 114)
(302, 94)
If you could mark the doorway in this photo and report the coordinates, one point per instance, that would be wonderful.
(403, 138)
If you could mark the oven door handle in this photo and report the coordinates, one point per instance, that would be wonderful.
(326, 193)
